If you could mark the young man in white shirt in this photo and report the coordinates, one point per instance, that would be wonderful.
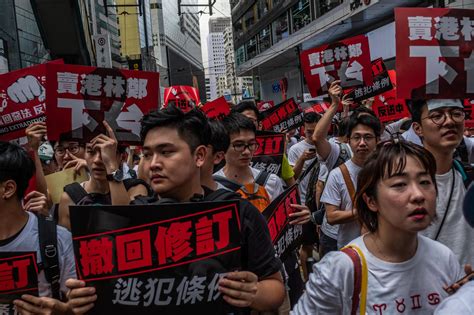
(363, 132)
(19, 231)
(440, 125)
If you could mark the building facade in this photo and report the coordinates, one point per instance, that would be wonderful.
(216, 55)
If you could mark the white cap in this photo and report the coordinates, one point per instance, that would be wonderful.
(439, 103)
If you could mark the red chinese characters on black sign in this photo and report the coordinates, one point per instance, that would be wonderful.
(269, 155)
(285, 237)
(284, 116)
(18, 275)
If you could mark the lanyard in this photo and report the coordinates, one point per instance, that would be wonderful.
(447, 207)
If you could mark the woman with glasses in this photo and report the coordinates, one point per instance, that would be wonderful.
(106, 184)
(391, 269)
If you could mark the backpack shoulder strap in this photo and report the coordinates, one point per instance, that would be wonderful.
(227, 183)
(307, 170)
(222, 194)
(75, 191)
(262, 178)
(359, 295)
(48, 242)
(348, 181)
(460, 167)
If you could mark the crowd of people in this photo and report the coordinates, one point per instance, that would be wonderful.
(381, 206)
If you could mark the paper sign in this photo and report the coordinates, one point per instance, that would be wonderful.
(58, 180)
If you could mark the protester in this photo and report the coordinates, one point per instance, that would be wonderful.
(19, 232)
(218, 145)
(106, 184)
(175, 148)
(440, 125)
(400, 269)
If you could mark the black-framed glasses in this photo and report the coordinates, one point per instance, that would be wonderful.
(240, 147)
(72, 148)
(438, 117)
(367, 138)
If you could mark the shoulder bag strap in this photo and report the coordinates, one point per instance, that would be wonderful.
(359, 295)
(348, 181)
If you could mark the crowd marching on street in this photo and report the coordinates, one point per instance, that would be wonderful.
(112, 203)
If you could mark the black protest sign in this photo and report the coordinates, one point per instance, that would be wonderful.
(284, 116)
(381, 83)
(285, 237)
(150, 259)
(18, 276)
(269, 155)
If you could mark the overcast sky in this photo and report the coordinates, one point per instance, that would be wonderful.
(220, 8)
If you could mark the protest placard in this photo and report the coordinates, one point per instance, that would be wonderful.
(434, 53)
(80, 98)
(218, 108)
(347, 60)
(285, 237)
(269, 155)
(165, 258)
(182, 96)
(58, 180)
(284, 116)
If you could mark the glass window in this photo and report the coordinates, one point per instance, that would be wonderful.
(280, 28)
(240, 55)
(238, 30)
(249, 19)
(301, 15)
(324, 6)
(263, 7)
(265, 39)
(252, 48)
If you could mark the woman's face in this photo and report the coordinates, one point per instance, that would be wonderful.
(406, 201)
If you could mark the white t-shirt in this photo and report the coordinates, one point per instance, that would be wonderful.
(273, 186)
(414, 286)
(28, 241)
(335, 193)
(459, 303)
(294, 154)
(470, 148)
(455, 233)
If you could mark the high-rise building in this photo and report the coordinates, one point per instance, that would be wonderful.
(216, 53)
(181, 45)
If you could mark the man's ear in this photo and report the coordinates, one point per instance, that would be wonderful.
(371, 203)
(418, 129)
(200, 155)
(8, 189)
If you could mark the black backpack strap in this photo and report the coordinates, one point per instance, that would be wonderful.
(307, 170)
(48, 242)
(227, 183)
(262, 178)
(221, 194)
(75, 191)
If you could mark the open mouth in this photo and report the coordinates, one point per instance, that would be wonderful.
(418, 214)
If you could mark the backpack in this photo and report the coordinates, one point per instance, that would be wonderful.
(462, 165)
(310, 202)
(255, 192)
(48, 243)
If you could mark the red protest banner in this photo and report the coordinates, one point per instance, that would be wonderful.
(182, 96)
(81, 97)
(387, 106)
(286, 115)
(434, 53)
(22, 100)
(269, 155)
(157, 252)
(218, 108)
(347, 60)
(18, 276)
(285, 237)
(318, 108)
(265, 105)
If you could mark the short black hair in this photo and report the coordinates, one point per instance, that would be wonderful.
(366, 120)
(342, 127)
(311, 117)
(362, 110)
(247, 105)
(220, 140)
(192, 126)
(406, 124)
(16, 165)
(416, 107)
(235, 122)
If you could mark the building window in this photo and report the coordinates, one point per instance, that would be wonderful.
(324, 6)
(238, 29)
(263, 7)
(280, 28)
(252, 48)
(240, 55)
(264, 39)
(301, 15)
(249, 18)
(4, 68)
